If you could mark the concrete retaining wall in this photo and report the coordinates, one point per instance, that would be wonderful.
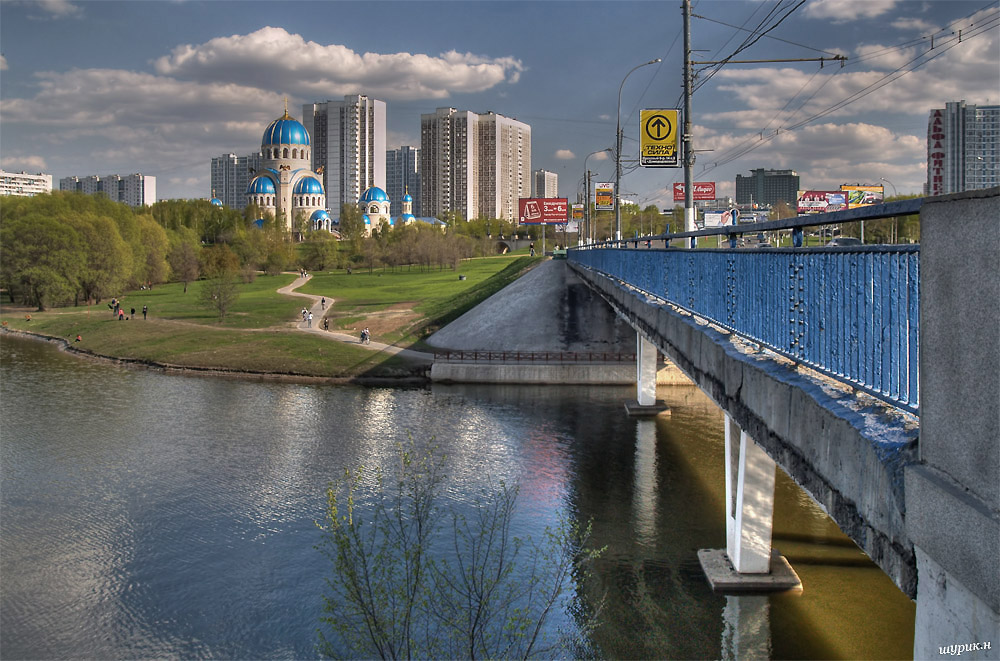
(573, 374)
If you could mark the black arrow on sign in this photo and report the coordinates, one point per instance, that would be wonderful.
(657, 122)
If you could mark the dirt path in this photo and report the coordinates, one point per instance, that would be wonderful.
(317, 311)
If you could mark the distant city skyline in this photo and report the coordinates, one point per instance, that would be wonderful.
(93, 87)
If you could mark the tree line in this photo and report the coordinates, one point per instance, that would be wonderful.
(70, 248)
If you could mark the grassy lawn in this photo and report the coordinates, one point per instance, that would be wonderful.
(258, 334)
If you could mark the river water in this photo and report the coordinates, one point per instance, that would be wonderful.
(147, 515)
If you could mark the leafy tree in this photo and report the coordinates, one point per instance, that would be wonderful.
(220, 293)
(391, 598)
(107, 261)
(42, 258)
(183, 257)
(152, 261)
(352, 226)
(320, 251)
(219, 259)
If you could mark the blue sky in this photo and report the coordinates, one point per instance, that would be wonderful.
(161, 87)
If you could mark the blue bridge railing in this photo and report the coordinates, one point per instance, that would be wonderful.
(849, 312)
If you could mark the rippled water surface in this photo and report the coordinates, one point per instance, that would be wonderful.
(145, 515)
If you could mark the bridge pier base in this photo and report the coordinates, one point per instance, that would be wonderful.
(751, 566)
(645, 403)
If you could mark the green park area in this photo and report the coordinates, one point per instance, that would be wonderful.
(258, 333)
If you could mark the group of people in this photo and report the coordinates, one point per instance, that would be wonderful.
(307, 317)
(118, 311)
(366, 336)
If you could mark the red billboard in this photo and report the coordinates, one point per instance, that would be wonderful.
(703, 190)
(543, 210)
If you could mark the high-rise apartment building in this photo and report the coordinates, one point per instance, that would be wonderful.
(768, 187)
(24, 184)
(231, 175)
(348, 146)
(135, 190)
(477, 165)
(544, 184)
(402, 176)
(963, 146)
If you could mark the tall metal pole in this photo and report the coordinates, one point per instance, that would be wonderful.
(590, 226)
(689, 210)
(618, 153)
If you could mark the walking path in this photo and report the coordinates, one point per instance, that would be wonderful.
(317, 311)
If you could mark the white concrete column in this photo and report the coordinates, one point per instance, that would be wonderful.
(749, 502)
(746, 627)
(644, 486)
(645, 378)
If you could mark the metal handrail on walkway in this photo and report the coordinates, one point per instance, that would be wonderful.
(545, 357)
(849, 312)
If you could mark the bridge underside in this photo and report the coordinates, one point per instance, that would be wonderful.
(848, 452)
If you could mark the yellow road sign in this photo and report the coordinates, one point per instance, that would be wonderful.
(659, 138)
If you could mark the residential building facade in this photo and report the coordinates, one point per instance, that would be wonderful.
(768, 187)
(963, 146)
(135, 190)
(24, 184)
(349, 148)
(477, 165)
(544, 184)
(231, 174)
(402, 177)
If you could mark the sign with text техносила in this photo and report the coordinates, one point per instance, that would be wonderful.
(659, 138)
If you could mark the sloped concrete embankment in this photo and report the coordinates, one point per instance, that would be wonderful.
(549, 310)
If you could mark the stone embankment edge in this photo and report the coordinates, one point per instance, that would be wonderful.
(249, 375)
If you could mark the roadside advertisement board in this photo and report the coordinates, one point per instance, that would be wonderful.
(543, 210)
(659, 138)
(722, 218)
(604, 197)
(577, 212)
(820, 201)
(862, 196)
(701, 190)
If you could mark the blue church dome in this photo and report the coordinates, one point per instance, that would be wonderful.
(407, 198)
(308, 186)
(374, 194)
(261, 185)
(285, 131)
(259, 223)
(216, 202)
(319, 214)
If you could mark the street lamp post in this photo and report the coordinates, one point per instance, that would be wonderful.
(586, 208)
(618, 153)
(895, 227)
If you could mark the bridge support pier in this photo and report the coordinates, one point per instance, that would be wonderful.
(645, 403)
(748, 562)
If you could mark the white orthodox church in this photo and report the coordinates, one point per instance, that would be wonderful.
(286, 186)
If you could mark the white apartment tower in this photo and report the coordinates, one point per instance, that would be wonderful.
(135, 190)
(24, 184)
(231, 174)
(402, 177)
(477, 165)
(963, 148)
(348, 146)
(544, 184)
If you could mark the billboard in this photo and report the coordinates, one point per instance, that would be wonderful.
(701, 190)
(821, 201)
(604, 197)
(577, 212)
(659, 138)
(722, 218)
(862, 196)
(543, 210)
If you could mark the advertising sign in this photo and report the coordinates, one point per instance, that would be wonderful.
(722, 218)
(819, 201)
(543, 210)
(935, 160)
(659, 138)
(604, 197)
(862, 196)
(577, 212)
(701, 190)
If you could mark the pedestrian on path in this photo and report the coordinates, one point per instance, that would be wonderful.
(145, 309)
(310, 320)
(322, 303)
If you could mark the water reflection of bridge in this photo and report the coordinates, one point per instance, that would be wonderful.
(813, 354)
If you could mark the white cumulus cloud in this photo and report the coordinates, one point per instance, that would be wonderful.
(845, 11)
(272, 58)
(26, 163)
(564, 154)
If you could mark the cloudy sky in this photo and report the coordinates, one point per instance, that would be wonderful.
(161, 87)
